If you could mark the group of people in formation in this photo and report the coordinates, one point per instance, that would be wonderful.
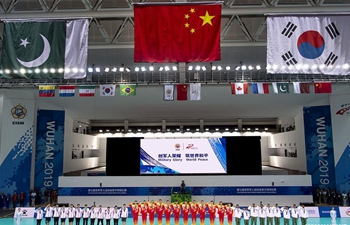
(60, 215)
(265, 214)
(148, 211)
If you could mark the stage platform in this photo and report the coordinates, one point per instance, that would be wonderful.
(266, 170)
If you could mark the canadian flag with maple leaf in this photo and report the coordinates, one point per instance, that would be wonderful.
(239, 88)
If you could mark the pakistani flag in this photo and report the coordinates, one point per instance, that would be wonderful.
(45, 49)
(280, 88)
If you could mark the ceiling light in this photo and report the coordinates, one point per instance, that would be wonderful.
(217, 129)
(250, 67)
(127, 69)
(188, 129)
(177, 129)
(97, 70)
(197, 129)
(219, 68)
(106, 69)
(114, 69)
(266, 128)
(258, 67)
(151, 68)
(174, 68)
(137, 69)
(45, 70)
(161, 68)
(36, 71)
(107, 130)
(228, 67)
(226, 129)
(206, 129)
(121, 69)
(256, 128)
(248, 128)
(198, 67)
(238, 67)
(190, 68)
(204, 68)
(100, 131)
(166, 68)
(143, 69)
(22, 70)
(90, 70)
(158, 130)
(244, 67)
(213, 68)
(236, 129)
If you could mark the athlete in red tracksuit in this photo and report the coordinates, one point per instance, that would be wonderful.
(212, 214)
(151, 212)
(194, 211)
(202, 211)
(176, 212)
(185, 212)
(229, 213)
(160, 211)
(144, 213)
(221, 213)
(167, 212)
(135, 211)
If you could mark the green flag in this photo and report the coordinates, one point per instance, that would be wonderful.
(45, 49)
(280, 88)
(127, 90)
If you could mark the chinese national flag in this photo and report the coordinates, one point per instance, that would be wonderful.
(323, 87)
(177, 32)
(181, 90)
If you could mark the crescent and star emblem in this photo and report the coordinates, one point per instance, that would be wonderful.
(43, 56)
(283, 88)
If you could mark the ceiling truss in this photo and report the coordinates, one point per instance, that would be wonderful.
(243, 24)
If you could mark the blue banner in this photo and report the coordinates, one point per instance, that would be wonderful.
(49, 149)
(166, 191)
(16, 147)
(319, 146)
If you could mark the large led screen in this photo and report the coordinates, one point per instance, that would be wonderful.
(183, 156)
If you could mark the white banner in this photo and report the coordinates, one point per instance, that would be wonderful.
(344, 211)
(183, 156)
(27, 212)
(308, 45)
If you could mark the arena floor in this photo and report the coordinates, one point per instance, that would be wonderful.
(311, 221)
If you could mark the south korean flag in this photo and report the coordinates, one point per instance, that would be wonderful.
(308, 45)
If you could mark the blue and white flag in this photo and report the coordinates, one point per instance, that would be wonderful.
(308, 44)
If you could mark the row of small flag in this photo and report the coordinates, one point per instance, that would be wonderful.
(182, 89)
(86, 90)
